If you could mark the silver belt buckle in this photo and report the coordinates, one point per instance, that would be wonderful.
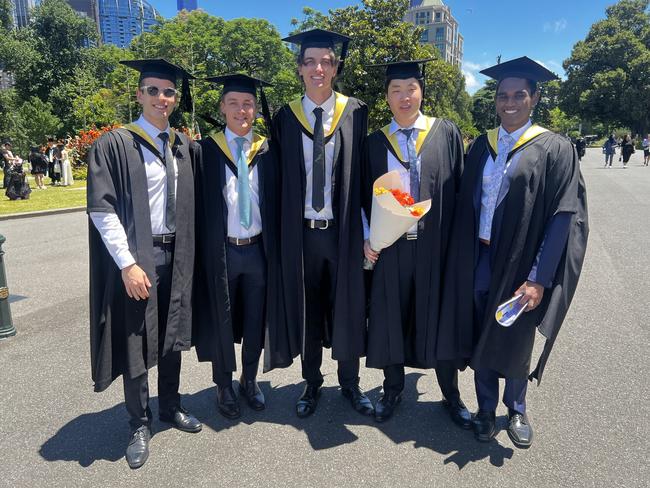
(327, 224)
(167, 239)
(411, 237)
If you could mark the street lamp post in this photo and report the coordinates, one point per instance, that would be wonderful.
(7, 328)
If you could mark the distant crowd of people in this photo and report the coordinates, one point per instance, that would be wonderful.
(52, 160)
(626, 145)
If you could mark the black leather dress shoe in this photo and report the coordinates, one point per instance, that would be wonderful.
(459, 413)
(308, 401)
(358, 399)
(485, 425)
(386, 406)
(182, 420)
(252, 393)
(519, 430)
(137, 451)
(228, 403)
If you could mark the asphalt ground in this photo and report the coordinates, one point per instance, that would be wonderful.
(590, 414)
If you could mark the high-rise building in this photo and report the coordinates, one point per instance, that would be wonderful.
(21, 12)
(186, 5)
(87, 8)
(440, 28)
(122, 20)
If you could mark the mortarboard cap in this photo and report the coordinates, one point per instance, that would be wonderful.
(403, 70)
(523, 67)
(163, 69)
(240, 82)
(323, 39)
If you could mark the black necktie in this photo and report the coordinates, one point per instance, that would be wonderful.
(318, 164)
(168, 161)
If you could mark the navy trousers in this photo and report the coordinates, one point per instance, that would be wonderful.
(320, 251)
(486, 381)
(246, 267)
(136, 390)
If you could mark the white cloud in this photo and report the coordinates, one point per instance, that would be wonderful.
(473, 79)
(555, 26)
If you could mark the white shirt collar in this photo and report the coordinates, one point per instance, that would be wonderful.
(515, 134)
(230, 135)
(151, 130)
(309, 105)
(419, 124)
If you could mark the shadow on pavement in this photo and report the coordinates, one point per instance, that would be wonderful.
(104, 435)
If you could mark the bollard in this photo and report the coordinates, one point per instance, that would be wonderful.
(7, 328)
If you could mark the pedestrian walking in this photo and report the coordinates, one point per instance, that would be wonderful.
(609, 150)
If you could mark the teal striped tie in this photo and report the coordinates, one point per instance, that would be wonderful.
(243, 186)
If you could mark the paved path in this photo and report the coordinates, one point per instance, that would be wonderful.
(590, 414)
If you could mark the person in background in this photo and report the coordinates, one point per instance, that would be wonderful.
(627, 149)
(38, 162)
(66, 166)
(609, 149)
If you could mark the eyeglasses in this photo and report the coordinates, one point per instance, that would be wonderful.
(153, 91)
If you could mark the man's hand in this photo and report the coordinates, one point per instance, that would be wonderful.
(136, 282)
(533, 294)
(370, 254)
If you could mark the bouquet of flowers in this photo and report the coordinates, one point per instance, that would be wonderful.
(393, 211)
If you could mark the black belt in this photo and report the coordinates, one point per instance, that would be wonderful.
(319, 224)
(245, 241)
(409, 237)
(164, 238)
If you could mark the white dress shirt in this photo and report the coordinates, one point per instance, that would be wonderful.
(485, 225)
(230, 191)
(109, 225)
(308, 107)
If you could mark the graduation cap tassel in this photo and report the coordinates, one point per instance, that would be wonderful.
(424, 81)
(266, 113)
(186, 96)
(213, 122)
(344, 54)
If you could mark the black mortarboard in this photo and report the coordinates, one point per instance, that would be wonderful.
(523, 67)
(240, 82)
(324, 39)
(163, 69)
(403, 70)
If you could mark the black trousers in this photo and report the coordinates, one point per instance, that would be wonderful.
(246, 267)
(320, 257)
(136, 390)
(446, 372)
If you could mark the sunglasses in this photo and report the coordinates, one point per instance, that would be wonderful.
(153, 91)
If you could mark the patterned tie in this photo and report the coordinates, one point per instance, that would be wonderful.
(493, 188)
(318, 163)
(170, 205)
(414, 177)
(243, 185)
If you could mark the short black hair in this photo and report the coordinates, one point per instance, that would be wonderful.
(387, 84)
(532, 85)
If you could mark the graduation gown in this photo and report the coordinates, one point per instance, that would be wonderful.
(441, 161)
(214, 332)
(545, 181)
(346, 334)
(123, 331)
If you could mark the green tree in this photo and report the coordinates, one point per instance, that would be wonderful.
(483, 110)
(6, 18)
(380, 35)
(31, 124)
(608, 73)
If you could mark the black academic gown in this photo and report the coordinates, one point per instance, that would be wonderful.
(441, 153)
(123, 331)
(347, 332)
(546, 181)
(214, 333)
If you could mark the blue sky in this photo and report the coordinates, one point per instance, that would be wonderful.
(545, 31)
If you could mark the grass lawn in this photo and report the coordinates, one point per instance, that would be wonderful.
(52, 198)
